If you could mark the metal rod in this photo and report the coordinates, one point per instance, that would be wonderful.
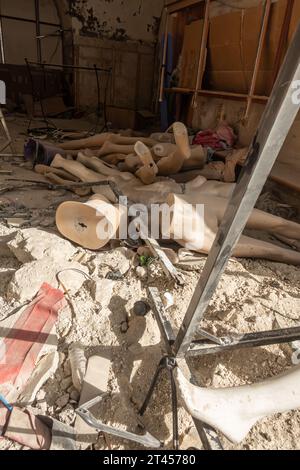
(28, 20)
(248, 340)
(164, 325)
(275, 124)
(73, 67)
(1, 37)
(38, 30)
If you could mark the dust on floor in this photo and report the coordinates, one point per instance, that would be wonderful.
(252, 296)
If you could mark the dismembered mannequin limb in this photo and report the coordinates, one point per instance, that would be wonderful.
(174, 161)
(91, 225)
(128, 184)
(44, 170)
(197, 159)
(213, 195)
(109, 148)
(234, 411)
(99, 140)
(147, 173)
(54, 178)
(214, 199)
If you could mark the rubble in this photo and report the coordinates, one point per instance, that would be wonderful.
(102, 291)
(27, 280)
(33, 244)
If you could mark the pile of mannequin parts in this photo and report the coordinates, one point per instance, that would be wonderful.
(164, 168)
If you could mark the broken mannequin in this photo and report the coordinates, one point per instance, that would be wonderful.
(234, 411)
(214, 197)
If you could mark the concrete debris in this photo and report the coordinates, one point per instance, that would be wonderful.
(66, 383)
(62, 401)
(16, 222)
(28, 279)
(78, 364)
(74, 396)
(32, 244)
(168, 300)
(142, 273)
(102, 291)
(45, 368)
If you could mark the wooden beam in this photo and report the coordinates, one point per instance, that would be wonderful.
(258, 55)
(177, 6)
(203, 52)
(164, 59)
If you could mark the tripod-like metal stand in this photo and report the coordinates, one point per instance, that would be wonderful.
(275, 124)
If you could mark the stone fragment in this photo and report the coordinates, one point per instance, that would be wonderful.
(33, 244)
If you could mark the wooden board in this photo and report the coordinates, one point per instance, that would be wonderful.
(190, 54)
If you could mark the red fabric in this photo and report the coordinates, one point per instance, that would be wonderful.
(26, 338)
(222, 137)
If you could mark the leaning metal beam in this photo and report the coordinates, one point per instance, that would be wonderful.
(248, 340)
(276, 122)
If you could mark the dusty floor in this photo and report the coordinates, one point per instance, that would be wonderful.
(252, 296)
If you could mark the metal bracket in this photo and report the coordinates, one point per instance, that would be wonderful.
(146, 440)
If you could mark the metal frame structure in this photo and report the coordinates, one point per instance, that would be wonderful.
(38, 23)
(37, 95)
(274, 127)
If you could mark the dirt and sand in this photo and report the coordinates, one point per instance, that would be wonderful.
(252, 296)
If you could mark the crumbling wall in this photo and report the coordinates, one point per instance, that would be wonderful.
(117, 19)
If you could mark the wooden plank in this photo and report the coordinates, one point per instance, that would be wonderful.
(203, 52)
(258, 56)
(164, 60)
(191, 52)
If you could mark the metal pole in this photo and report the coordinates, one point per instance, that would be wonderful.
(275, 124)
(38, 30)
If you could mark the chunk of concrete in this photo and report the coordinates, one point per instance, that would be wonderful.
(102, 291)
(43, 371)
(33, 244)
(26, 282)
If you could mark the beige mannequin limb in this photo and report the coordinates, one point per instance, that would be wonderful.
(237, 157)
(234, 411)
(103, 168)
(98, 140)
(163, 150)
(214, 210)
(91, 225)
(77, 169)
(131, 163)
(44, 170)
(197, 159)
(147, 173)
(173, 162)
(114, 158)
(128, 184)
(82, 192)
(109, 148)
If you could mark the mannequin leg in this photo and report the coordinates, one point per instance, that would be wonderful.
(248, 247)
(271, 223)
